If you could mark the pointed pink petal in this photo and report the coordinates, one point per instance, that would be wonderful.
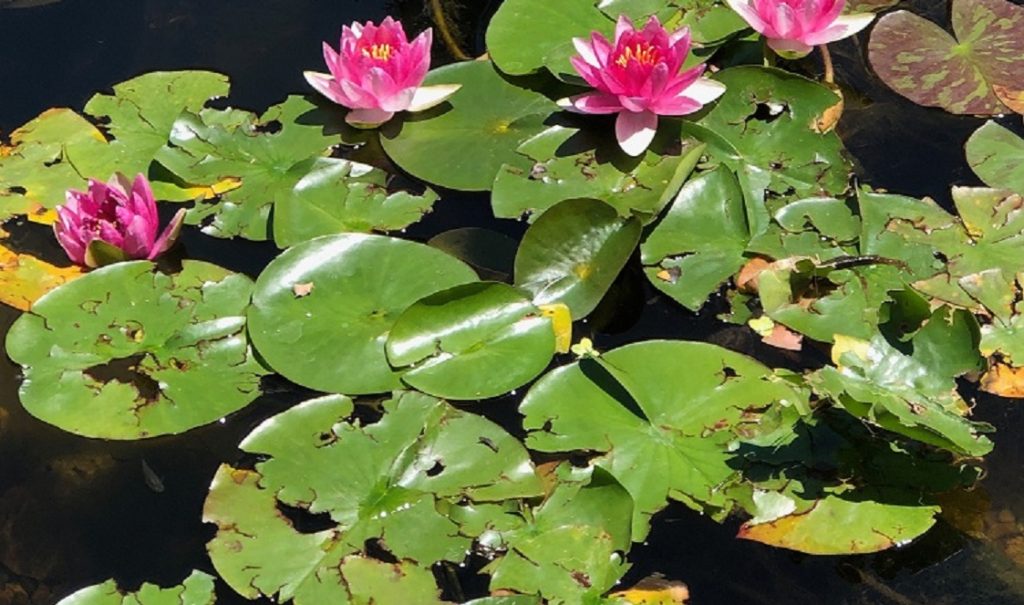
(749, 14)
(169, 236)
(324, 84)
(426, 97)
(368, 118)
(586, 52)
(844, 27)
(595, 102)
(622, 27)
(635, 131)
(790, 49)
(705, 90)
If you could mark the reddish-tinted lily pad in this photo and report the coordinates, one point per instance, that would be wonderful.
(921, 61)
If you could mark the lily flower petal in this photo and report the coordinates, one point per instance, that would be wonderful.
(427, 97)
(635, 131)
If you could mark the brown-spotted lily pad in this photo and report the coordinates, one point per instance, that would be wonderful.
(921, 61)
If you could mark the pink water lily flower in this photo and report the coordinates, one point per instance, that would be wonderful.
(378, 72)
(793, 27)
(120, 213)
(639, 76)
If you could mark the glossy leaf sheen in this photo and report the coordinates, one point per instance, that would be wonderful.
(197, 589)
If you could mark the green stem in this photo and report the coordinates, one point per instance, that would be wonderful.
(826, 58)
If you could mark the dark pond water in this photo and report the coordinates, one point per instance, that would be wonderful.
(75, 511)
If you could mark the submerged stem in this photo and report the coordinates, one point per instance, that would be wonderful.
(826, 58)
(441, 20)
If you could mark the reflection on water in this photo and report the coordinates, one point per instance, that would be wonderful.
(75, 511)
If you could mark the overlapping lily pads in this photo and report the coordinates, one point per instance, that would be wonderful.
(197, 589)
(463, 143)
(397, 483)
(128, 352)
(336, 298)
(977, 72)
(996, 155)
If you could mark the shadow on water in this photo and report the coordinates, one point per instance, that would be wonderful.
(75, 511)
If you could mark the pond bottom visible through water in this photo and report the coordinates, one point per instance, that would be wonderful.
(76, 511)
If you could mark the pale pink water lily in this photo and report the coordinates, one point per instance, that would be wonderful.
(793, 27)
(120, 213)
(639, 76)
(377, 72)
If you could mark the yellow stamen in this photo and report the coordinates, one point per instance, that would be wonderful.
(641, 52)
(381, 52)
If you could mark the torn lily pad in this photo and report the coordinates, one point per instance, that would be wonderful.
(265, 157)
(565, 163)
(341, 196)
(663, 417)
(385, 487)
(197, 589)
(996, 154)
(921, 61)
(128, 352)
(356, 288)
(473, 341)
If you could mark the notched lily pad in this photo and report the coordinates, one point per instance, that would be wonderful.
(358, 285)
(197, 589)
(24, 279)
(919, 60)
(473, 341)
(996, 155)
(337, 512)
(127, 352)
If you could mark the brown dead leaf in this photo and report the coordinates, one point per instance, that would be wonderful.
(25, 279)
(1014, 99)
(783, 338)
(670, 275)
(655, 590)
(302, 290)
(747, 278)
(830, 117)
(1003, 380)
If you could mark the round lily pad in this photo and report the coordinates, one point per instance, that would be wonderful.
(322, 311)
(128, 352)
(399, 483)
(197, 589)
(996, 155)
(463, 143)
(574, 252)
(472, 341)
(919, 60)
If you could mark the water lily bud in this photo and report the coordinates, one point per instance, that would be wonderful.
(638, 77)
(793, 27)
(377, 72)
(113, 221)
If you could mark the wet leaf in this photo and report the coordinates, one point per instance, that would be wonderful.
(24, 278)
(197, 589)
(464, 142)
(573, 253)
(1004, 380)
(268, 156)
(573, 547)
(473, 341)
(524, 36)
(655, 590)
(339, 196)
(565, 163)
(700, 241)
(389, 483)
(362, 284)
(127, 352)
(996, 154)
(919, 60)
(662, 432)
(491, 253)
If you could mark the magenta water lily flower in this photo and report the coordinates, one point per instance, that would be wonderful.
(639, 76)
(377, 72)
(120, 213)
(793, 27)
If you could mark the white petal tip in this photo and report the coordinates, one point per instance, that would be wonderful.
(426, 97)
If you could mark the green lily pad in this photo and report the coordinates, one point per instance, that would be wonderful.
(664, 417)
(127, 352)
(821, 227)
(525, 36)
(266, 157)
(996, 155)
(60, 150)
(491, 253)
(473, 341)
(339, 196)
(700, 241)
(335, 299)
(767, 129)
(906, 394)
(463, 143)
(918, 59)
(568, 163)
(389, 483)
(197, 589)
(573, 548)
(573, 253)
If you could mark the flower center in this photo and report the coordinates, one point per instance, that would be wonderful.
(380, 52)
(643, 53)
